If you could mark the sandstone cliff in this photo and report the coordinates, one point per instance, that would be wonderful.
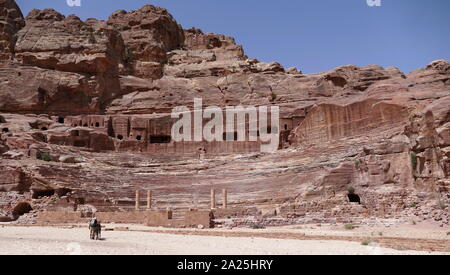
(358, 142)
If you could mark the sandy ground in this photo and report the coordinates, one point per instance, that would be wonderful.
(74, 240)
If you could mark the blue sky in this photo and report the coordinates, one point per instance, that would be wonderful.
(313, 35)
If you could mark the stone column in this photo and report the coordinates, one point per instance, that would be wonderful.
(137, 201)
(225, 198)
(149, 200)
(213, 199)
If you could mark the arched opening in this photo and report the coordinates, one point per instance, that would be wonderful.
(21, 209)
(5, 130)
(354, 198)
(120, 137)
(286, 127)
(44, 128)
(37, 194)
(85, 125)
(61, 120)
(97, 124)
(139, 138)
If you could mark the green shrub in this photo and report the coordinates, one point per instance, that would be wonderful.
(414, 160)
(44, 157)
(349, 226)
(257, 226)
(401, 248)
(357, 163)
(442, 205)
(129, 57)
(413, 205)
(366, 242)
(448, 233)
(351, 189)
(273, 96)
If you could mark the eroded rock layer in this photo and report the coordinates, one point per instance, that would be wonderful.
(86, 122)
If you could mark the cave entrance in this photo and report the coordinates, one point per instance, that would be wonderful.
(354, 198)
(21, 209)
(5, 130)
(37, 194)
(160, 139)
(139, 138)
(120, 137)
(61, 120)
(44, 128)
(79, 143)
(97, 125)
(61, 192)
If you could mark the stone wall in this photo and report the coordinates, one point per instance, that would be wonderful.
(150, 217)
(152, 134)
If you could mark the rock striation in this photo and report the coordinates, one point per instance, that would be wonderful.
(86, 122)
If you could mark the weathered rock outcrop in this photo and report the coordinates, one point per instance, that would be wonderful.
(357, 142)
(13, 179)
(11, 21)
(71, 66)
(51, 41)
(149, 33)
(328, 122)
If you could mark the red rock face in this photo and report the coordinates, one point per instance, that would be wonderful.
(11, 21)
(328, 122)
(51, 41)
(63, 65)
(98, 95)
(149, 33)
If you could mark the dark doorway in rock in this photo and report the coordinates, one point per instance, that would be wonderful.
(79, 143)
(61, 120)
(120, 137)
(44, 128)
(97, 124)
(42, 96)
(160, 139)
(37, 194)
(5, 130)
(354, 198)
(21, 209)
(61, 192)
(81, 201)
(139, 138)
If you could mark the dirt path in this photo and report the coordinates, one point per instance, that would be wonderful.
(56, 240)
